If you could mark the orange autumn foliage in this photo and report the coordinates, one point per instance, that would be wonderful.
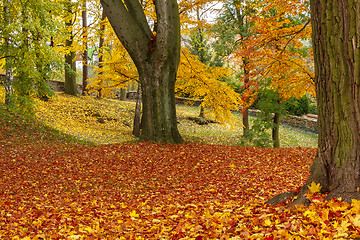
(275, 47)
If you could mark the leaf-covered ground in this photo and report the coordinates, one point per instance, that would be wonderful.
(54, 188)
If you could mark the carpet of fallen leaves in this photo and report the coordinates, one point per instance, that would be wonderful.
(50, 190)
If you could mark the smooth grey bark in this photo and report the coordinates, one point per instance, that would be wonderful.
(156, 59)
(336, 44)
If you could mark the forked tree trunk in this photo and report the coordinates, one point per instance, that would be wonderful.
(156, 58)
(336, 41)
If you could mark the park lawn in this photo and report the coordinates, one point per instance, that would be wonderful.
(110, 121)
(52, 187)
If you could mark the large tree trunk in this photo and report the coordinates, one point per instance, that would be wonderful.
(159, 121)
(156, 58)
(336, 41)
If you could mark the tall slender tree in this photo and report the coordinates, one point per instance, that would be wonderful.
(156, 56)
(233, 28)
(9, 78)
(70, 64)
(85, 46)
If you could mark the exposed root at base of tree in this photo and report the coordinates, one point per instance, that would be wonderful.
(317, 176)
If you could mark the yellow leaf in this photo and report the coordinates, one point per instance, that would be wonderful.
(134, 214)
(314, 187)
(355, 220)
(267, 222)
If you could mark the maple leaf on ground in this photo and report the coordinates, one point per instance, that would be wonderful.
(314, 188)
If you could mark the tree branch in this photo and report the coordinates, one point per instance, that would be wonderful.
(131, 31)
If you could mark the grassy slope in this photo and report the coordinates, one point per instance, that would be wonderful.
(20, 131)
(110, 121)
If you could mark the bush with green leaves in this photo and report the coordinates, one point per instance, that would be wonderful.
(297, 107)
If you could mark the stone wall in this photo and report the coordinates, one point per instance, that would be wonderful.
(60, 86)
(305, 123)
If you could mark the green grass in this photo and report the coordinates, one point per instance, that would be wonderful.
(72, 118)
(216, 133)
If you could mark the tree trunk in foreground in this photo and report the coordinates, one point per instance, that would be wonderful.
(156, 58)
(336, 41)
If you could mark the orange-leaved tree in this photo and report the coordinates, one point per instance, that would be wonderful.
(278, 46)
(277, 50)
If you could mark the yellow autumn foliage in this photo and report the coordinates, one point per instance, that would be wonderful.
(199, 81)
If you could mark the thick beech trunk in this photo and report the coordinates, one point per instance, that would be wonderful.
(156, 58)
(336, 41)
